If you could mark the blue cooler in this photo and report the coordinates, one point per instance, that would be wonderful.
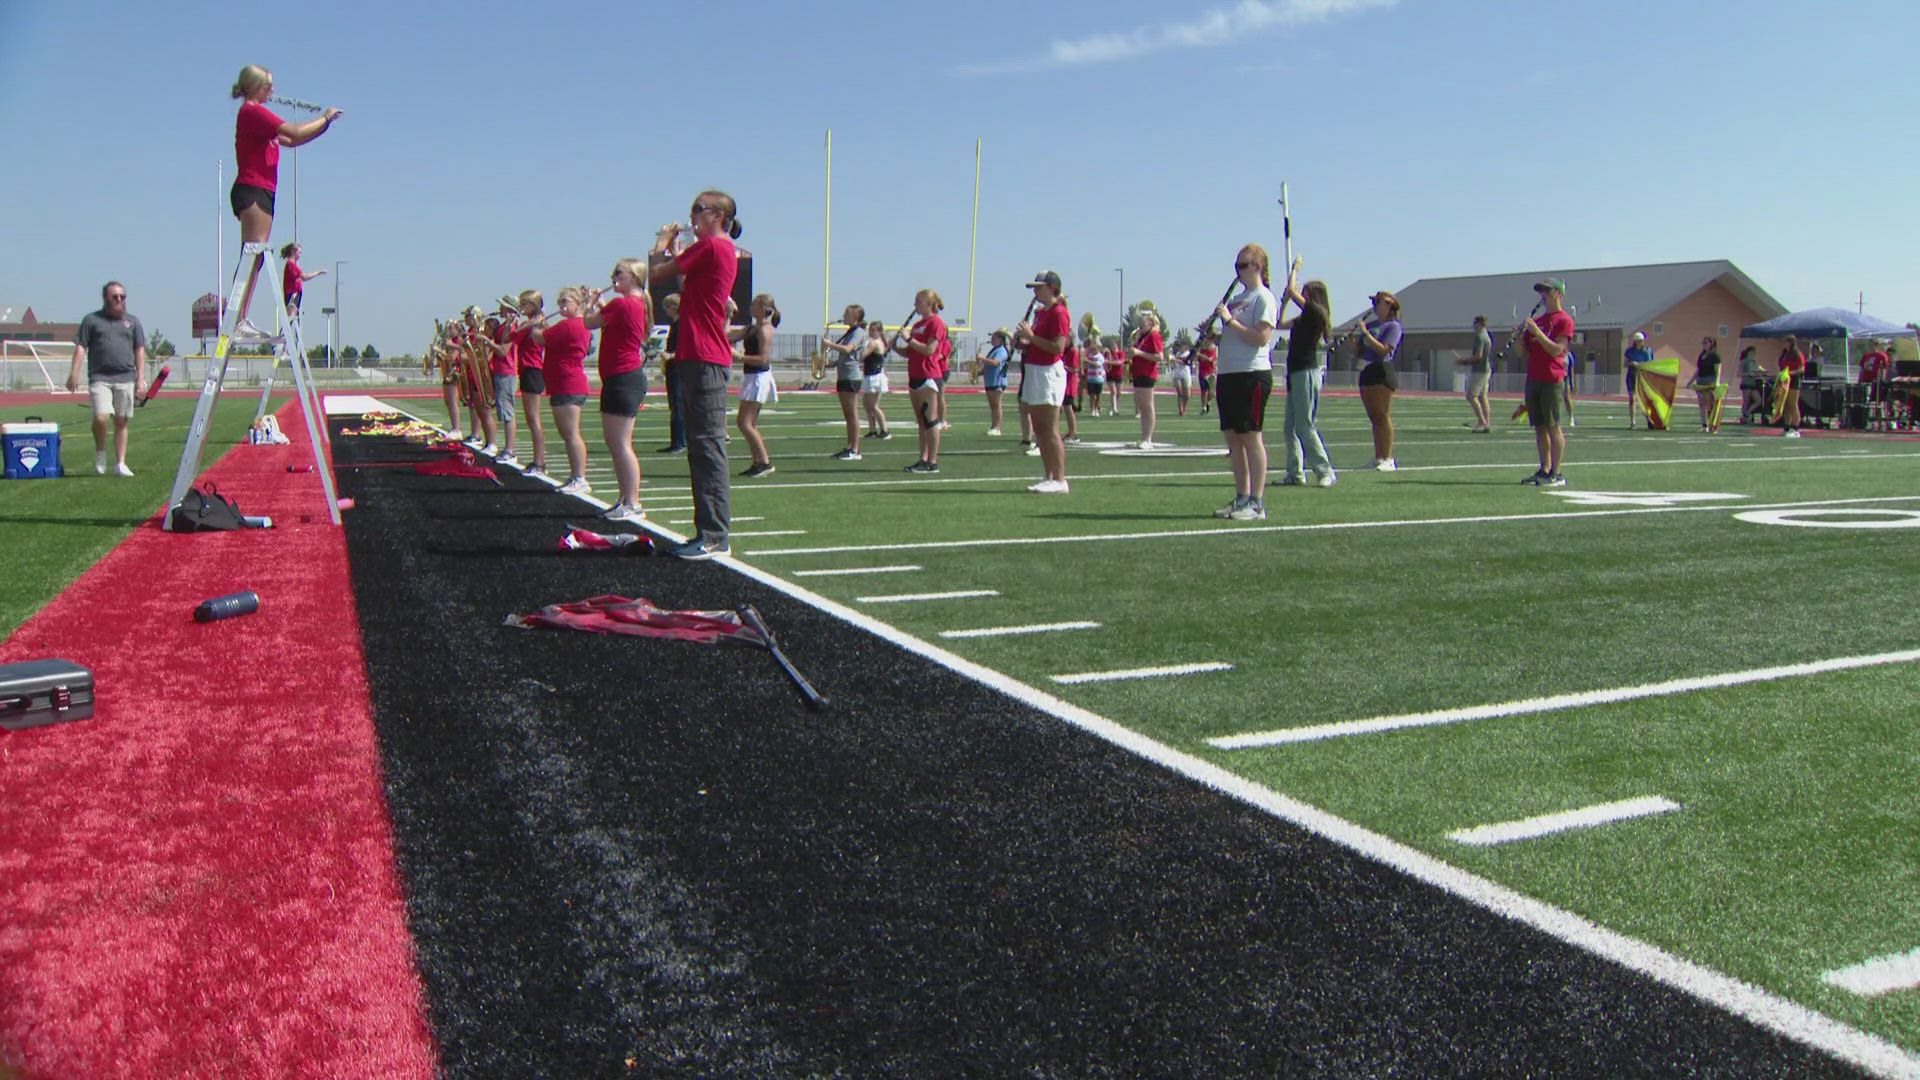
(31, 450)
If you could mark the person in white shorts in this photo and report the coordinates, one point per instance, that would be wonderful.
(756, 386)
(111, 347)
(1043, 379)
(873, 380)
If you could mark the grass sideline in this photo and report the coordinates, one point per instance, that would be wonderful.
(53, 530)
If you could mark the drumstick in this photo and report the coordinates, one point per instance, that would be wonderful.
(752, 618)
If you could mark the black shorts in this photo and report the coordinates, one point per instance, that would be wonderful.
(533, 381)
(622, 394)
(915, 384)
(847, 386)
(245, 195)
(1206, 383)
(1142, 382)
(561, 401)
(1378, 373)
(1243, 400)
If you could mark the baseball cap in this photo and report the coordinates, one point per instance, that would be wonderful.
(1387, 296)
(1639, 336)
(1553, 283)
(1047, 278)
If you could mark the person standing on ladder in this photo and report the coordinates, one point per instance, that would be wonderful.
(258, 136)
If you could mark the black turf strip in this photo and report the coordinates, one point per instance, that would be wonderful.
(628, 856)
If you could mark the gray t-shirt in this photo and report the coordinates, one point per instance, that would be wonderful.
(1251, 308)
(110, 345)
(847, 364)
(1482, 354)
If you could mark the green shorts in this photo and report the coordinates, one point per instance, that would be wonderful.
(1546, 403)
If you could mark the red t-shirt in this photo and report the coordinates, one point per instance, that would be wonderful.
(291, 284)
(624, 323)
(1148, 342)
(1071, 358)
(707, 269)
(1792, 360)
(929, 332)
(1543, 366)
(1051, 323)
(566, 349)
(1209, 361)
(1873, 365)
(531, 354)
(498, 363)
(256, 145)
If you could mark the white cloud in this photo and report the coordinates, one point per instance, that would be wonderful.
(1219, 26)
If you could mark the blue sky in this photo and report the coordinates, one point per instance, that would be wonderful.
(490, 147)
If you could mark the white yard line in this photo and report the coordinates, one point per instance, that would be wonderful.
(769, 532)
(1557, 702)
(908, 598)
(1329, 526)
(1880, 975)
(689, 521)
(856, 570)
(1548, 824)
(1140, 673)
(1004, 631)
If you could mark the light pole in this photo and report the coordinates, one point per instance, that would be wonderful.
(335, 351)
(329, 312)
(1122, 271)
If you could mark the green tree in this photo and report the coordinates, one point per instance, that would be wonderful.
(368, 352)
(158, 345)
(317, 352)
(349, 353)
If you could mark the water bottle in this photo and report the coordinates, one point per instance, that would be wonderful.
(255, 521)
(226, 607)
(299, 468)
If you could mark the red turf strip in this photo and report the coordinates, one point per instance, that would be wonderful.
(200, 880)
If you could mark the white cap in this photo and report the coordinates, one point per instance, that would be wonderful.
(1639, 337)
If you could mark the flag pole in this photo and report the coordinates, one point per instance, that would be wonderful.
(1286, 222)
(826, 271)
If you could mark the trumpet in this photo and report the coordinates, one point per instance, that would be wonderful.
(296, 103)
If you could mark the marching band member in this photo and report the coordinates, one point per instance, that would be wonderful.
(624, 323)
(503, 375)
(707, 269)
(847, 354)
(1182, 378)
(1306, 334)
(1116, 373)
(676, 428)
(995, 360)
(293, 280)
(1070, 404)
(873, 379)
(533, 379)
(1549, 342)
(1043, 383)
(922, 350)
(257, 138)
(480, 418)
(1093, 375)
(1146, 351)
(756, 383)
(1376, 343)
(1207, 360)
(1247, 323)
(564, 346)
(443, 354)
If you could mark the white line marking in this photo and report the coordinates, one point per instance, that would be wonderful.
(855, 570)
(1001, 631)
(907, 598)
(1547, 824)
(770, 532)
(1557, 702)
(1140, 673)
(1328, 526)
(1880, 975)
(1741, 999)
(689, 521)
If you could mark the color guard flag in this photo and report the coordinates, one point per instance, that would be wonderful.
(640, 618)
(1653, 385)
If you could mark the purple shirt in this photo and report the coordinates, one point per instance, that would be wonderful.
(1388, 332)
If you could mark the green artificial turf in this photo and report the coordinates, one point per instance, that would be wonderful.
(53, 530)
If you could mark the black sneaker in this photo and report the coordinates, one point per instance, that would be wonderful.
(847, 455)
(698, 549)
(758, 469)
(1539, 477)
(930, 467)
(915, 467)
(884, 435)
(674, 449)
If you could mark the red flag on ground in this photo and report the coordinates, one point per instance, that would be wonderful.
(579, 539)
(453, 466)
(639, 617)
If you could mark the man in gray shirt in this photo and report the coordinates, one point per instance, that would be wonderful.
(1479, 372)
(111, 348)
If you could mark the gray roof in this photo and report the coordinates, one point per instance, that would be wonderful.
(1602, 298)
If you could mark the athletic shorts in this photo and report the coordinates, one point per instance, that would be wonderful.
(757, 386)
(874, 384)
(242, 196)
(621, 395)
(1546, 403)
(1094, 386)
(563, 401)
(533, 381)
(111, 397)
(846, 386)
(1182, 378)
(924, 380)
(1042, 384)
(503, 397)
(1477, 383)
(1243, 400)
(1144, 382)
(1378, 373)
(1206, 383)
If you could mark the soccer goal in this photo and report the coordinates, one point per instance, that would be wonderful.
(35, 365)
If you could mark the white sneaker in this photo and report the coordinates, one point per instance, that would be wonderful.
(100, 462)
(489, 449)
(993, 431)
(122, 470)
(247, 332)
(1049, 487)
(628, 512)
(1033, 451)
(576, 486)
(1386, 465)
(1144, 444)
(1227, 510)
(1325, 479)
(455, 435)
(508, 460)
(1250, 510)
(1037, 486)
(1791, 433)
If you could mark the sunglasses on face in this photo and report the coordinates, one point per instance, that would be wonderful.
(701, 208)
(1243, 264)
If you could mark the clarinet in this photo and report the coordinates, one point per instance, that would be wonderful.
(1209, 329)
(1506, 351)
